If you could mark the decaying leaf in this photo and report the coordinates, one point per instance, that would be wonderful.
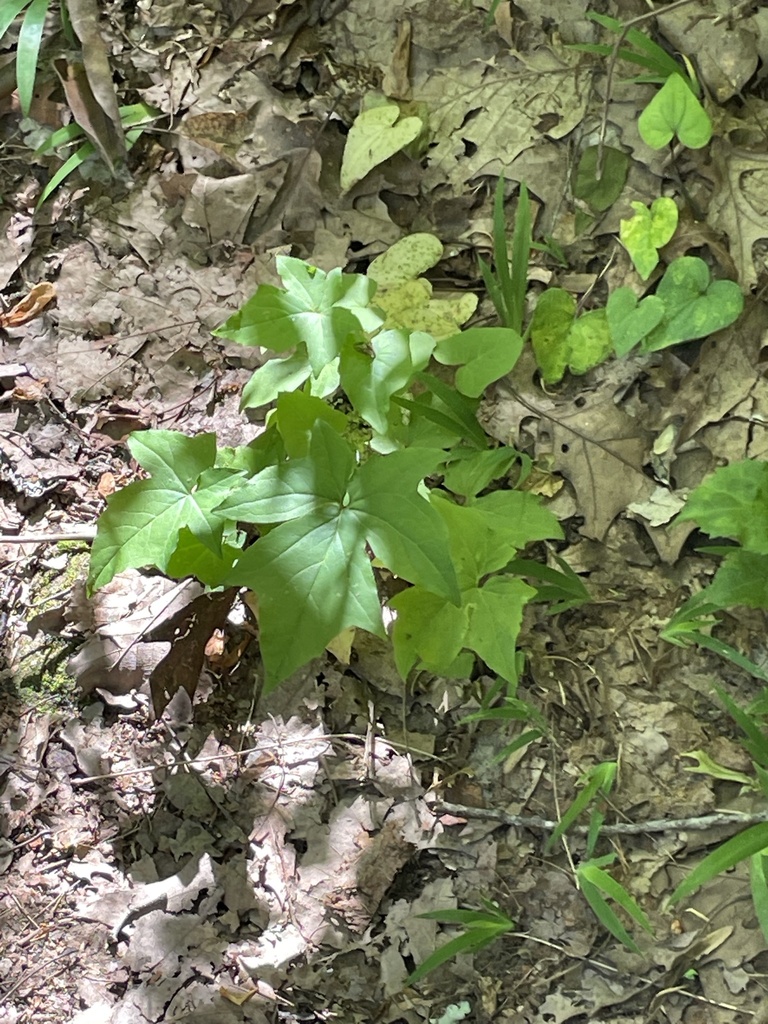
(31, 306)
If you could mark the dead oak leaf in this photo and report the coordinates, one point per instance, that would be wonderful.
(596, 445)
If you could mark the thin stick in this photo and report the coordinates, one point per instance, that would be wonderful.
(87, 533)
(697, 824)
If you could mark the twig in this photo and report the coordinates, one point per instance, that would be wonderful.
(87, 533)
(697, 824)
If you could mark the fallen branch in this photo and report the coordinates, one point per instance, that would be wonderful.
(697, 824)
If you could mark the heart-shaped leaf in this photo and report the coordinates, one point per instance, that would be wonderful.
(375, 136)
(630, 321)
(646, 232)
(694, 305)
(484, 354)
(562, 342)
(674, 110)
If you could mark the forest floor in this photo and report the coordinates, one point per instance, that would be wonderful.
(262, 860)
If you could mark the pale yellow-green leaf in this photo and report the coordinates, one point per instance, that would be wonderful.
(411, 307)
(406, 259)
(375, 136)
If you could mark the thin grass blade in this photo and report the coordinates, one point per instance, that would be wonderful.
(521, 251)
(727, 855)
(28, 50)
(500, 255)
(64, 171)
(9, 11)
(607, 916)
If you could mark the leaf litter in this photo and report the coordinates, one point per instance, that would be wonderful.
(262, 860)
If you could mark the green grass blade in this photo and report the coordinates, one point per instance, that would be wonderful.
(757, 745)
(608, 884)
(599, 779)
(61, 137)
(494, 292)
(745, 844)
(500, 255)
(9, 11)
(458, 406)
(564, 588)
(606, 915)
(138, 113)
(64, 171)
(759, 884)
(512, 748)
(492, 917)
(521, 251)
(28, 50)
(470, 942)
(726, 651)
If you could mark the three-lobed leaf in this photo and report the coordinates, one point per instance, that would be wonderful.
(142, 522)
(733, 502)
(483, 538)
(314, 309)
(312, 573)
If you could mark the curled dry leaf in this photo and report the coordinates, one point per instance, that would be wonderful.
(30, 306)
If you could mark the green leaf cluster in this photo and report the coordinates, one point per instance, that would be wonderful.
(297, 515)
(687, 305)
(675, 110)
(732, 503)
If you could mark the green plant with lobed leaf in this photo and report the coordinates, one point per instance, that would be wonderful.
(325, 497)
(732, 504)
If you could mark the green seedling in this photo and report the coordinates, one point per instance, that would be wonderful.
(675, 110)
(597, 784)
(595, 883)
(513, 710)
(507, 281)
(731, 502)
(134, 119)
(28, 48)
(324, 489)
(640, 50)
(480, 929)
(643, 234)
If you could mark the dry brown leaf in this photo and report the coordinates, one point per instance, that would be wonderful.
(397, 77)
(738, 204)
(91, 116)
(595, 444)
(30, 306)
